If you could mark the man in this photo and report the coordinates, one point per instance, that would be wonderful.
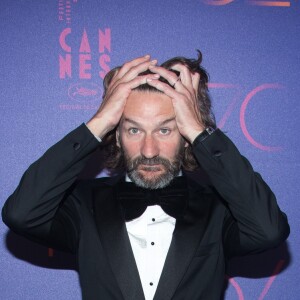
(151, 233)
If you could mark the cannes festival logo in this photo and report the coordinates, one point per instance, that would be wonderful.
(81, 60)
(85, 92)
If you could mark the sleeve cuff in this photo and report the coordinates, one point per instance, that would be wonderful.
(203, 135)
(96, 137)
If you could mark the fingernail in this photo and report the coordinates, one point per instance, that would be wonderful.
(156, 76)
(147, 56)
(154, 62)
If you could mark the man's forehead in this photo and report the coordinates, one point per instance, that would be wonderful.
(145, 94)
(148, 104)
(149, 109)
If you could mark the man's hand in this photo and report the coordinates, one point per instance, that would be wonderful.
(109, 114)
(184, 98)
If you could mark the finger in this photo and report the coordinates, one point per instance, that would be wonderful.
(123, 89)
(139, 80)
(171, 77)
(185, 75)
(136, 70)
(163, 87)
(128, 65)
(133, 72)
(114, 78)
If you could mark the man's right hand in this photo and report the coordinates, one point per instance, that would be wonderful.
(111, 109)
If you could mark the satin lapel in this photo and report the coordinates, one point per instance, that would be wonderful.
(186, 237)
(113, 234)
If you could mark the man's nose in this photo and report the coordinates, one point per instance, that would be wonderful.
(150, 147)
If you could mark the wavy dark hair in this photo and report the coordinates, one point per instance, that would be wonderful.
(114, 157)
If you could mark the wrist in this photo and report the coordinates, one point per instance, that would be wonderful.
(192, 133)
(204, 134)
(98, 127)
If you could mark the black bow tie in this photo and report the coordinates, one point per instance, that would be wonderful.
(172, 199)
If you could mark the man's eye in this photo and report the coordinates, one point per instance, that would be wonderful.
(164, 131)
(133, 130)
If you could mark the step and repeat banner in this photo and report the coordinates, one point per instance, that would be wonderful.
(54, 56)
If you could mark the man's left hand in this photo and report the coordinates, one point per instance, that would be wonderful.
(183, 96)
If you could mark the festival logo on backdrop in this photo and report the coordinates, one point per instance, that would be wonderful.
(82, 65)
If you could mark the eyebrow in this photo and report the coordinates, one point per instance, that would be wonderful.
(159, 124)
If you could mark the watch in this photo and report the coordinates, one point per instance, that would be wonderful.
(205, 134)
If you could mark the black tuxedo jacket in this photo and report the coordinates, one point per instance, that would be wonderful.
(235, 213)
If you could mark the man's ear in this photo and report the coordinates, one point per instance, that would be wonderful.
(118, 138)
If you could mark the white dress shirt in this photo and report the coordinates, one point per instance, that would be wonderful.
(150, 236)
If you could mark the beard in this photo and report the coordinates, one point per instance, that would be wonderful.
(138, 167)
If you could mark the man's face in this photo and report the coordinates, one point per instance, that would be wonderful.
(150, 140)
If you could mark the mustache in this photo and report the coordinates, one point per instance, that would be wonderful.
(148, 162)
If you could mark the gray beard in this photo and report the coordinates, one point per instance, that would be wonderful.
(157, 182)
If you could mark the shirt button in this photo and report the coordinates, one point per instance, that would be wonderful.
(151, 283)
(153, 220)
(152, 243)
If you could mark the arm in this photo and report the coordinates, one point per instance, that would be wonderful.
(46, 186)
(44, 207)
(253, 221)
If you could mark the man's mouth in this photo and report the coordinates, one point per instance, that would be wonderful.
(150, 168)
